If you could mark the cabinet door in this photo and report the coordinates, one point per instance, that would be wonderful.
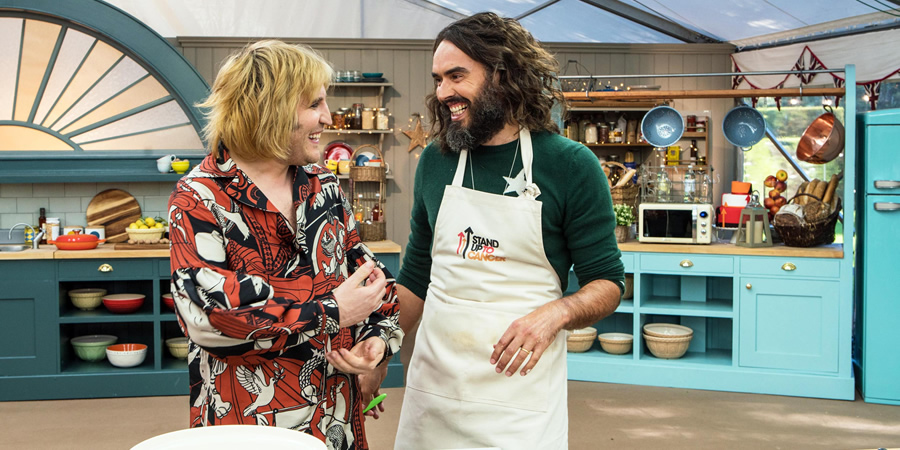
(28, 335)
(881, 153)
(881, 307)
(789, 324)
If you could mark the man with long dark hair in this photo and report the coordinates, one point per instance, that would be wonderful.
(503, 207)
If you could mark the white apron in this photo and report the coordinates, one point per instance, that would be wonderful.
(488, 269)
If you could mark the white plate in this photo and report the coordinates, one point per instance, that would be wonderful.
(232, 437)
(667, 330)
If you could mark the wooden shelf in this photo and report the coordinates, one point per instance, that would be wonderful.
(332, 131)
(642, 144)
(620, 97)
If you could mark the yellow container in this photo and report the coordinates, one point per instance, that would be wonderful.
(673, 155)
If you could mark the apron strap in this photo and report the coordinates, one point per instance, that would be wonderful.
(527, 156)
(460, 168)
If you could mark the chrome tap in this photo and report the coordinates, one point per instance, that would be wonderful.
(35, 241)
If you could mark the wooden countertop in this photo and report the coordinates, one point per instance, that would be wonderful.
(109, 251)
(824, 251)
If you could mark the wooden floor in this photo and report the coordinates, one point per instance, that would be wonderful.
(601, 416)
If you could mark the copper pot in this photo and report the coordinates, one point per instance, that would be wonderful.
(823, 139)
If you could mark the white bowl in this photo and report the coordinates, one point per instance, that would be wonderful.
(126, 355)
(667, 330)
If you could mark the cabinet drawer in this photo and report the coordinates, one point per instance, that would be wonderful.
(791, 267)
(165, 270)
(628, 261)
(107, 269)
(684, 264)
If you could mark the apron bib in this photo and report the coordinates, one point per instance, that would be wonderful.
(488, 269)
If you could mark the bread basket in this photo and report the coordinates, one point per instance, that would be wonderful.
(367, 173)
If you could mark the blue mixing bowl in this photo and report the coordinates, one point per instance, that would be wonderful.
(744, 126)
(662, 126)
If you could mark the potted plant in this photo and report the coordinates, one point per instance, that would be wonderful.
(624, 219)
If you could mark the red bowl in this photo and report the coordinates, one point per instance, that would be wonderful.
(123, 303)
(168, 301)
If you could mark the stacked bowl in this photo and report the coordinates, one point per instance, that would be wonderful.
(581, 340)
(123, 303)
(667, 340)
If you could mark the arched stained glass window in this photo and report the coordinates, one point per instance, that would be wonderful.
(68, 88)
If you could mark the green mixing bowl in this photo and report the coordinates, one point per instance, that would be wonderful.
(93, 347)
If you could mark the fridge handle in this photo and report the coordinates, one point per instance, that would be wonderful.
(887, 184)
(885, 206)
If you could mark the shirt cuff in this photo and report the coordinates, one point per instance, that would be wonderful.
(331, 316)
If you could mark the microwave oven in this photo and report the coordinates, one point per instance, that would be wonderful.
(675, 223)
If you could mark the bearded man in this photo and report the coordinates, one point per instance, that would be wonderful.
(503, 207)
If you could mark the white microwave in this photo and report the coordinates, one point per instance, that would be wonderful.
(676, 223)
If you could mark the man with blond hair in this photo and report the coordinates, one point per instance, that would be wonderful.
(283, 304)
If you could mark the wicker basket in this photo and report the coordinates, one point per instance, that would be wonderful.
(626, 194)
(372, 231)
(811, 233)
(367, 173)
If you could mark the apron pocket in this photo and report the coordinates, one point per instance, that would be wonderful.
(452, 358)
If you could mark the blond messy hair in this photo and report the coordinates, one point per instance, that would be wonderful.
(252, 108)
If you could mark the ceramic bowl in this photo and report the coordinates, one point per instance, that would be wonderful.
(87, 299)
(662, 126)
(616, 343)
(372, 74)
(581, 340)
(93, 346)
(744, 126)
(667, 330)
(168, 301)
(181, 166)
(123, 303)
(178, 347)
(667, 347)
(126, 355)
(145, 234)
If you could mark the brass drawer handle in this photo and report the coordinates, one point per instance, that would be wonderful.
(788, 267)
(105, 268)
(749, 286)
(686, 263)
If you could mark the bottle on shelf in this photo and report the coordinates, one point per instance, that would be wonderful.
(704, 185)
(42, 219)
(663, 185)
(690, 185)
(377, 215)
(358, 209)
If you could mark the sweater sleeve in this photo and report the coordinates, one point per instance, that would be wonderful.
(590, 222)
(415, 272)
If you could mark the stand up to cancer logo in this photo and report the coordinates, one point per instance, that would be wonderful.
(479, 248)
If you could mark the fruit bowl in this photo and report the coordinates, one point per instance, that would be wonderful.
(126, 355)
(123, 303)
(93, 346)
(145, 234)
(87, 299)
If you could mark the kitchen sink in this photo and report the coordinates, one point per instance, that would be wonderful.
(12, 248)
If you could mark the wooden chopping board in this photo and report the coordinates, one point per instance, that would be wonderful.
(127, 246)
(115, 209)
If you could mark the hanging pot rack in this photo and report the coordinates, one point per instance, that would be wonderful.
(707, 93)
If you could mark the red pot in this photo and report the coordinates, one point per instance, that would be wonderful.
(77, 241)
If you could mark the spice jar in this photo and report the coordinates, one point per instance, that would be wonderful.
(368, 119)
(356, 117)
(381, 118)
(338, 119)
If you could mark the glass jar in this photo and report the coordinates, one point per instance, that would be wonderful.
(356, 117)
(603, 138)
(590, 133)
(572, 130)
(381, 118)
(338, 119)
(368, 118)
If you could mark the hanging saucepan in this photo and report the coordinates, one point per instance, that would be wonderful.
(662, 126)
(823, 139)
(744, 126)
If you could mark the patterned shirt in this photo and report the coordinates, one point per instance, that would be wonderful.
(255, 298)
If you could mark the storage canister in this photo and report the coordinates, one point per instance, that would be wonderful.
(356, 118)
(338, 119)
(381, 118)
(590, 133)
(51, 229)
(368, 119)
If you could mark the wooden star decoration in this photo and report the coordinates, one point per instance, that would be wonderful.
(416, 136)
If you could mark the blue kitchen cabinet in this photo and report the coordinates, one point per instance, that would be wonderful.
(27, 320)
(878, 302)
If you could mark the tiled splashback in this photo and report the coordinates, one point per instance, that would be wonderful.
(69, 201)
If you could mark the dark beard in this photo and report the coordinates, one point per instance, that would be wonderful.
(486, 117)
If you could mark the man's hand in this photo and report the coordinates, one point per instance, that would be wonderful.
(369, 384)
(363, 357)
(529, 335)
(356, 301)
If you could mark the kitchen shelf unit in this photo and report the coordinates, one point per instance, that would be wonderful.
(772, 320)
(378, 101)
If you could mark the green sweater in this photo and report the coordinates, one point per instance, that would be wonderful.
(576, 208)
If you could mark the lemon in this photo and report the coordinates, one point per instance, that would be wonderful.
(158, 225)
(143, 227)
(133, 226)
(149, 221)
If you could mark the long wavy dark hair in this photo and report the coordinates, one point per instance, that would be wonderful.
(527, 72)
